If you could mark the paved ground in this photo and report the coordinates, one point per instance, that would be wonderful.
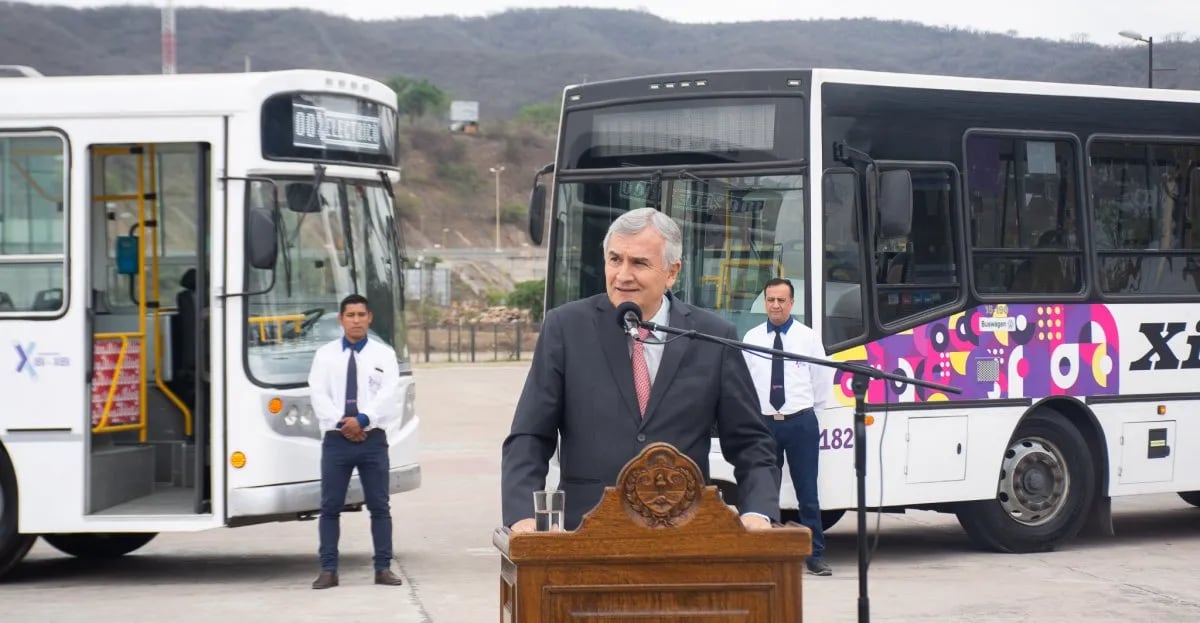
(924, 569)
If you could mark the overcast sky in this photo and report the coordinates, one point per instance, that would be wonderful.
(1054, 19)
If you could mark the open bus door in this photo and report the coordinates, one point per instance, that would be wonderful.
(103, 465)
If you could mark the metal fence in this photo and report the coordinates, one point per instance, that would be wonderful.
(473, 342)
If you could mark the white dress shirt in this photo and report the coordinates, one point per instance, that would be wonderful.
(805, 385)
(378, 379)
(654, 352)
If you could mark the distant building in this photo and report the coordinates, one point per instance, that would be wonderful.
(464, 117)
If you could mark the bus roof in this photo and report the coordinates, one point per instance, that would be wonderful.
(910, 80)
(999, 85)
(41, 97)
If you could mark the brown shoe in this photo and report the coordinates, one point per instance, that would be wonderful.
(387, 578)
(327, 579)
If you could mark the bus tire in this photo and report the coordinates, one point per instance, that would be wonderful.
(99, 545)
(1191, 497)
(1047, 484)
(13, 545)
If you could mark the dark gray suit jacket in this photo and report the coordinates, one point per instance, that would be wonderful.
(581, 385)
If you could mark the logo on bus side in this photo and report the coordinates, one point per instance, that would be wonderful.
(25, 360)
(1158, 334)
(28, 360)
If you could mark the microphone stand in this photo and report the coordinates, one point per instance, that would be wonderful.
(858, 384)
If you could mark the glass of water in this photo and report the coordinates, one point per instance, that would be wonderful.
(548, 510)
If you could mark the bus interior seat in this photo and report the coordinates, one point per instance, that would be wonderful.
(49, 299)
(184, 328)
(188, 303)
(1041, 273)
(6, 302)
(897, 268)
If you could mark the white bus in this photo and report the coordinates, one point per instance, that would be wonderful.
(1042, 254)
(173, 249)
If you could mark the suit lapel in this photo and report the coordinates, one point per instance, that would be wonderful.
(615, 345)
(673, 354)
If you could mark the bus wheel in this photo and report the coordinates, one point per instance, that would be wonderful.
(1047, 483)
(1191, 497)
(98, 545)
(13, 545)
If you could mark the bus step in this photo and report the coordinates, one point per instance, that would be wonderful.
(120, 474)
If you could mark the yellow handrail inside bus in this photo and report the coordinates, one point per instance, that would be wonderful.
(279, 321)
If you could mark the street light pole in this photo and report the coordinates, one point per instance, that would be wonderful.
(1129, 34)
(496, 170)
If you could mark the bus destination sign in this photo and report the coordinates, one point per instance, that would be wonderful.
(319, 128)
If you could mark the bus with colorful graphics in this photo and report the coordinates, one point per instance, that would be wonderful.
(1035, 245)
(173, 250)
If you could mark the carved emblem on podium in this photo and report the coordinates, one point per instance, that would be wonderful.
(661, 487)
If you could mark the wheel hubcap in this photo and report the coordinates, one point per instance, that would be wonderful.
(1034, 481)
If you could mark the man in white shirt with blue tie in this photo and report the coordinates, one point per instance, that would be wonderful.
(790, 393)
(353, 381)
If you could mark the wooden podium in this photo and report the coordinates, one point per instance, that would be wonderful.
(660, 546)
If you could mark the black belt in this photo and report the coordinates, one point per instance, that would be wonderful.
(788, 416)
(339, 432)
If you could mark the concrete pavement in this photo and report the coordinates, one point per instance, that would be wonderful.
(924, 569)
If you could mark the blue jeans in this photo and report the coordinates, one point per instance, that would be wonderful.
(339, 457)
(799, 436)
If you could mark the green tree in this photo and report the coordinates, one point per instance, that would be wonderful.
(543, 116)
(529, 295)
(417, 98)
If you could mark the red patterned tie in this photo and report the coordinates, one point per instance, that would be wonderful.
(641, 372)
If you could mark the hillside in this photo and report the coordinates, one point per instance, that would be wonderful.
(526, 56)
(512, 59)
(447, 195)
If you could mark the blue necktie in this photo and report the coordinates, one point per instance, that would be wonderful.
(351, 387)
(777, 399)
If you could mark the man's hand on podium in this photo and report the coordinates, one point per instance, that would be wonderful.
(756, 522)
(529, 524)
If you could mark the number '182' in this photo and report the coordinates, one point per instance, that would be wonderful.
(837, 438)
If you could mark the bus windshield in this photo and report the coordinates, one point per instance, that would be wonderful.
(738, 232)
(333, 242)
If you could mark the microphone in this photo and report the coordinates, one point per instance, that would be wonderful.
(629, 314)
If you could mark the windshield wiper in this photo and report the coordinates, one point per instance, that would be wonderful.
(397, 239)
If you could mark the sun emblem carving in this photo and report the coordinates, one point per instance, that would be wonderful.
(661, 488)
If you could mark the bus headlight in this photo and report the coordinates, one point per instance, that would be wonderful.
(291, 417)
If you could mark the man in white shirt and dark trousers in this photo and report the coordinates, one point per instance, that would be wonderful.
(353, 381)
(790, 392)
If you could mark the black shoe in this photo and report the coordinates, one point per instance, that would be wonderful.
(816, 566)
(327, 579)
(387, 578)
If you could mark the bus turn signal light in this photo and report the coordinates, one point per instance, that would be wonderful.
(275, 406)
(237, 460)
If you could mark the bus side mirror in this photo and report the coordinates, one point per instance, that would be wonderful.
(261, 236)
(895, 203)
(537, 213)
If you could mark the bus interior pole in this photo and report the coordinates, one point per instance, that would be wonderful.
(858, 384)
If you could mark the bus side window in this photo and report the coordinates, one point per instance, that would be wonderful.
(33, 171)
(842, 259)
(1147, 216)
(918, 272)
(1023, 196)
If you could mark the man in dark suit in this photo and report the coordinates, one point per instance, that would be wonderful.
(609, 395)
